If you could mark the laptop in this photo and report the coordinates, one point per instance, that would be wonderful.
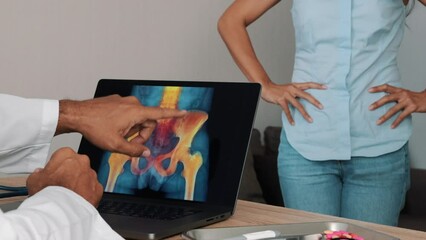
(193, 174)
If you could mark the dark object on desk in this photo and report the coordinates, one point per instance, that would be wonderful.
(6, 207)
(9, 191)
(260, 180)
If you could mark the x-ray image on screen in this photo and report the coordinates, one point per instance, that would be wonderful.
(179, 163)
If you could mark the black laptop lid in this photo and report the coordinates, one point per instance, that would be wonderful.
(197, 158)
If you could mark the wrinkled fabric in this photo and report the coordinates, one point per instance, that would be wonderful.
(349, 46)
(27, 127)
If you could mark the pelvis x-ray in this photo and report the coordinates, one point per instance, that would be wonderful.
(179, 161)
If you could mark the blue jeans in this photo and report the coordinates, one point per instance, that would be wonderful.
(364, 188)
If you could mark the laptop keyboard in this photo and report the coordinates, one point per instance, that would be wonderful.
(144, 210)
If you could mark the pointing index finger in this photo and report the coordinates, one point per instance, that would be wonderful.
(156, 113)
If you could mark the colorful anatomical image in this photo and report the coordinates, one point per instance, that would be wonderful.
(179, 161)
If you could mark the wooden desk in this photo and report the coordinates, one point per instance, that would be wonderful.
(250, 213)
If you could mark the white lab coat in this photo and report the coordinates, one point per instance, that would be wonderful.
(27, 127)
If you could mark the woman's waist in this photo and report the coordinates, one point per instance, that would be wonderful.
(347, 78)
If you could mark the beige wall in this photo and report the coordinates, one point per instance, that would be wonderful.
(60, 49)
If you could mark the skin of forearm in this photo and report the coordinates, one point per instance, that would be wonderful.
(237, 40)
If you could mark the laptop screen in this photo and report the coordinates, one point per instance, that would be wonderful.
(198, 157)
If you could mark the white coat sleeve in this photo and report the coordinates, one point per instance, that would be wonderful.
(27, 127)
(55, 213)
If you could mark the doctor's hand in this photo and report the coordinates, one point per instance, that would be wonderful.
(288, 94)
(407, 102)
(108, 121)
(70, 170)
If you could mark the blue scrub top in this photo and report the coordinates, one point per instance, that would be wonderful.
(350, 46)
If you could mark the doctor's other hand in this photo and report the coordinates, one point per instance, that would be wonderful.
(70, 170)
(289, 94)
(407, 102)
(108, 121)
